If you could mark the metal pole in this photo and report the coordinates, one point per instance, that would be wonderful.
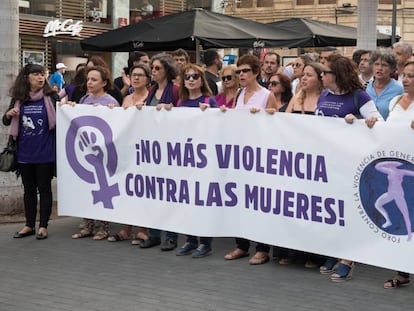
(394, 22)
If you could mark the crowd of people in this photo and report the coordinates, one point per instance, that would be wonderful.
(376, 86)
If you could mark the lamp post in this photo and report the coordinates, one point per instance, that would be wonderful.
(394, 22)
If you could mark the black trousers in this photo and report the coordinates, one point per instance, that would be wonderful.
(244, 244)
(37, 178)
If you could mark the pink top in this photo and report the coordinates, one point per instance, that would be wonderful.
(221, 100)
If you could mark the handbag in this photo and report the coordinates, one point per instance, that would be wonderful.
(8, 161)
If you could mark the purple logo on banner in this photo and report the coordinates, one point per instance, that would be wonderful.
(386, 195)
(88, 159)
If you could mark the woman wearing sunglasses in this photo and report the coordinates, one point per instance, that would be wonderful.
(163, 93)
(280, 86)
(195, 92)
(252, 97)
(229, 87)
(164, 71)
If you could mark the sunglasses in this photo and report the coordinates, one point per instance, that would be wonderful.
(195, 76)
(138, 75)
(156, 68)
(244, 70)
(297, 65)
(274, 83)
(226, 78)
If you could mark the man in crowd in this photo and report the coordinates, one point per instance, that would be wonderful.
(213, 63)
(402, 52)
(56, 79)
(181, 57)
(326, 52)
(365, 68)
(270, 66)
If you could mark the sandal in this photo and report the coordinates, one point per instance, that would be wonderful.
(236, 254)
(285, 261)
(140, 237)
(120, 236)
(84, 233)
(343, 272)
(259, 258)
(100, 235)
(397, 281)
(329, 266)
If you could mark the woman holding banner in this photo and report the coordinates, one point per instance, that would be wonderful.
(344, 97)
(253, 97)
(401, 109)
(98, 82)
(162, 93)
(195, 92)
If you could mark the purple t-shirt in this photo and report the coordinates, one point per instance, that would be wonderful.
(35, 141)
(333, 105)
(196, 102)
(105, 100)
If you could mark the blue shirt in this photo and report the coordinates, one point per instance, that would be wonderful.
(57, 79)
(382, 101)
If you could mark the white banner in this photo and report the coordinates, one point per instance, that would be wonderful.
(310, 183)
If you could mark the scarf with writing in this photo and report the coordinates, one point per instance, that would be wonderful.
(34, 96)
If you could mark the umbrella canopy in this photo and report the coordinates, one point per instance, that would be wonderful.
(189, 29)
(321, 34)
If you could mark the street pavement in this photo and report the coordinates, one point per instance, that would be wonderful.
(85, 275)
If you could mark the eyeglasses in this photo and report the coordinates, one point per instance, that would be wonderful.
(297, 65)
(244, 70)
(138, 75)
(195, 76)
(274, 83)
(156, 68)
(226, 78)
(325, 72)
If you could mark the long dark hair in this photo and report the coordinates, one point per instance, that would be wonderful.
(21, 87)
(287, 86)
(345, 72)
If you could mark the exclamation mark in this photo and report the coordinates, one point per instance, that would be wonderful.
(341, 213)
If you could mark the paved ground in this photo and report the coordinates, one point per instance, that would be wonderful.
(64, 274)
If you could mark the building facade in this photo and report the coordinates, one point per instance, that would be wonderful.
(342, 12)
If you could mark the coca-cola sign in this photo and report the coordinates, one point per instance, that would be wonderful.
(66, 27)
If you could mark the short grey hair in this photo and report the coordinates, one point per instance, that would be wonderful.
(407, 48)
(386, 55)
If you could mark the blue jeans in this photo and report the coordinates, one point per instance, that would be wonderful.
(203, 240)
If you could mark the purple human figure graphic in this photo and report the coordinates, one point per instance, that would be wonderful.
(394, 192)
(87, 143)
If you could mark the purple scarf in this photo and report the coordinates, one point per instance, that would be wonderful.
(167, 96)
(50, 110)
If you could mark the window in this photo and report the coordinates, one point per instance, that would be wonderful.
(327, 1)
(264, 3)
(305, 2)
(388, 1)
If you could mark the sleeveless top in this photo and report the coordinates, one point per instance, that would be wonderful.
(259, 99)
